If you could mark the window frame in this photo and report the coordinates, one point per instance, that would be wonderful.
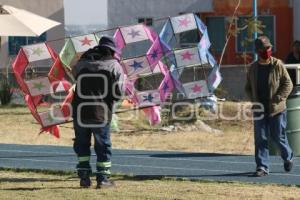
(224, 20)
(28, 41)
(144, 20)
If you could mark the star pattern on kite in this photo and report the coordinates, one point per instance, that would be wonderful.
(184, 22)
(66, 54)
(148, 98)
(39, 86)
(37, 51)
(134, 33)
(196, 88)
(165, 87)
(136, 65)
(86, 41)
(55, 72)
(187, 56)
(154, 54)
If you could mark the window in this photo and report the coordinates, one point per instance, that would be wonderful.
(15, 43)
(216, 32)
(189, 38)
(146, 21)
(269, 30)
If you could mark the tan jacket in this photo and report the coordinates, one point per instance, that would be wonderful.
(280, 85)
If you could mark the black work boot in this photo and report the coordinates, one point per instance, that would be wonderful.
(85, 180)
(288, 165)
(104, 182)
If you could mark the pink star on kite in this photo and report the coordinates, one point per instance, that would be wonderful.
(197, 88)
(184, 22)
(187, 56)
(86, 41)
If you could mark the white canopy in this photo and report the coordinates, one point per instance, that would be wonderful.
(17, 22)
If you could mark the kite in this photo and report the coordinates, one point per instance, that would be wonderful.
(160, 58)
(183, 58)
(147, 64)
(37, 88)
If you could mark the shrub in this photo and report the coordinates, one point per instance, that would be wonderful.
(5, 91)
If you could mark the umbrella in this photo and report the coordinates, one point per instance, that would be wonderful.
(17, 22)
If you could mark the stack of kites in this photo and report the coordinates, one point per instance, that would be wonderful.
(59, 80)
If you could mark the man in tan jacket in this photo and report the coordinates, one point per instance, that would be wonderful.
(268, 86)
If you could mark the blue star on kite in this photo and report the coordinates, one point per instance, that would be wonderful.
(148, 97)
(154, 54)
(136, 65)
(165, 87)
(134, 33)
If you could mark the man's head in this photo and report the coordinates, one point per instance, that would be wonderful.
(263, 47)
(296, 47)
(104, 50)
(107, 42)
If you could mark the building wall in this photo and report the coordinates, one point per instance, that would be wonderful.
(296, 5)
(281, 9)
(52, 9)
(234, 76)
(126, 12)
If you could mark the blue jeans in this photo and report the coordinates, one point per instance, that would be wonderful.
(102, 146)
(263, 129)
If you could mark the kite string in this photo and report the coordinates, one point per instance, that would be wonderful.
(105, 30)
(228, 36)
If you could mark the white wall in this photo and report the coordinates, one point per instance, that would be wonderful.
(296, 19)
(52, 9)
(126, 12)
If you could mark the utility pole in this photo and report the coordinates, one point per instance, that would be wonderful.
(255, 20)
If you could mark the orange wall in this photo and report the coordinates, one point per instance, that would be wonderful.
(283, 23)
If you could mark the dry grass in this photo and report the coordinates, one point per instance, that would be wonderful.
(30, 185)
(18, 126)
(228, 142)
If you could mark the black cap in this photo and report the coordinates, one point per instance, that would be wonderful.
(296, 43)
(107, 41)
(262, 42)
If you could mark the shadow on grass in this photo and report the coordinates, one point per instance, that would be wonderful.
(39, 188)
(41, 180)
(179, 177)
(138, 177)
(28, 180)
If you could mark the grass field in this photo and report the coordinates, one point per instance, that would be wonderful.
(32, 185)
(18, 126)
